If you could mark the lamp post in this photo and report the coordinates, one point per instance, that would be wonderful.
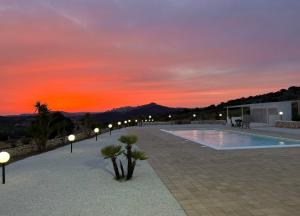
(119, 124)
(4, 158)
(129, 121)
(96, 130)
(71, 138)
(281, 114)
(220, 115)
(110, 128)
(125, 122)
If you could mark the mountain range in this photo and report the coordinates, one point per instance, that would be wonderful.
(156, 110)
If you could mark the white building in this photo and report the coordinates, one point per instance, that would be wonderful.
(266, 113)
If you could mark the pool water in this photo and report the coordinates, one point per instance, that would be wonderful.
(222, 140)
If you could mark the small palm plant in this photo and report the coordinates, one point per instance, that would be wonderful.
(112, 152)
(137, 155)
(132, 156)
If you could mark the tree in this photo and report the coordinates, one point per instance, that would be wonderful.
(112, 152)
(132, 156)
(131, 161)
(137, 155)
(40, 127)
(61, 126)
(87, 122)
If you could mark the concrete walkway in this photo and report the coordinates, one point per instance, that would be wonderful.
(258, 182)
(58, 183)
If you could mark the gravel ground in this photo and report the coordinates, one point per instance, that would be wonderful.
(60, 183)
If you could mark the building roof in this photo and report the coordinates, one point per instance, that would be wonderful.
(248, 105)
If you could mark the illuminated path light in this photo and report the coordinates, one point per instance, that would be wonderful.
(110, 128)
(96, 131)
(281, 114)
(4, 158)
(71, 138)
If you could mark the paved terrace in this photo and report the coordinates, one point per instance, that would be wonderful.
(58, 183)
(257, 182)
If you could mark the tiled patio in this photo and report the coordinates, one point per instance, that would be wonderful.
(260, 182)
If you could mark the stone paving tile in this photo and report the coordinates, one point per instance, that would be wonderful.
(257, 182)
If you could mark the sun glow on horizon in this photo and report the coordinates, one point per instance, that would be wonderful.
(94, 56)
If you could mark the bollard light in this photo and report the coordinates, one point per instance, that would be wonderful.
(4, 158)
(281, 114)
(110, 128)
(71, 138)
(96, 131)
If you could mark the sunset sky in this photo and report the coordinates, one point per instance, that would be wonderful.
(93, 55)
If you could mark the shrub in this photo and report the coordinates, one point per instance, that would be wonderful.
(25, 140)
(112, 152)
(132, 156)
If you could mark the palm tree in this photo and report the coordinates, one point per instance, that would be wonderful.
(112, 152)
(129, 141)
(40, 128)
(137, 155)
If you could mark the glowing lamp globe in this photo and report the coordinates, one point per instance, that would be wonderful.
(125, 122)
(280, 113)
(170, 116)
(4, 157)
(194, 115)
(220, 114)
(136, 120)
(129, 120)
(119, 123)
(96, 130)
(110, 126)
(150, 116)
(146, 120)
(71, 137)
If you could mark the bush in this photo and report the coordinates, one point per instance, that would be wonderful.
(131, 155)
(25, 140)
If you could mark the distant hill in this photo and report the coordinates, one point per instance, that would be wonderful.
(159, 112)
(134, 112)
(292, 93)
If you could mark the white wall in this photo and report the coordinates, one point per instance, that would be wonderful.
(285, 107)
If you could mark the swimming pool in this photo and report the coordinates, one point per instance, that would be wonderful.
(226, 140)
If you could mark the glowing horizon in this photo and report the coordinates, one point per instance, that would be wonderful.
(92, 56)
